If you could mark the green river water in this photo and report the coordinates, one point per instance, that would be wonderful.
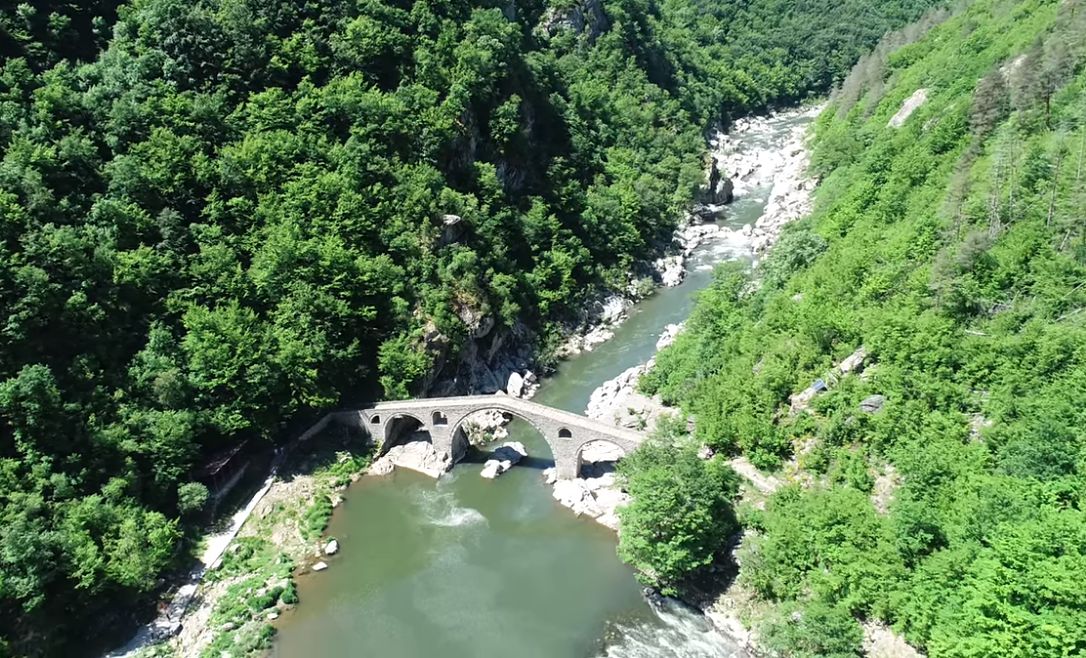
(465, 567)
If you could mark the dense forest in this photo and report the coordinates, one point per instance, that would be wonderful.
(218, 215)
(938, 481)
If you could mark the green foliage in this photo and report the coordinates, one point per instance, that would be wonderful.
(813, 631)
(261, 576)
(951, 250)
(191, 497)
(316, 517)
(681, 515)
(219, 215)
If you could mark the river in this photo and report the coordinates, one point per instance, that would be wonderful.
(465, 567)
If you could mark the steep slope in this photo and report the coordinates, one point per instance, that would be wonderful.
(940, 484)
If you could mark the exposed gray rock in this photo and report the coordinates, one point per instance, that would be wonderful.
(485, 426)
(575, 495)
(719, 189)
(781, 166)
(618, 402)
(853, 362)
(319, 566)
(583, 17)
(515, 385)
(705, 212)
(332, 547)
(671, 270)
(671, 331)
(503, 458)
(802, 400)
(872, 404)
(417, 455)
(909, 106)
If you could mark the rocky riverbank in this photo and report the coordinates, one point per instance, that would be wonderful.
(780, 172)
(276, 535)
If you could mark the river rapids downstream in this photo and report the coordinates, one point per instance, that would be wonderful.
(464, 567)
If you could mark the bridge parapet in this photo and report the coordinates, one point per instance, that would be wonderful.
(566, 433)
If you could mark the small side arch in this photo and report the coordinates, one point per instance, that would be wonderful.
(396, 427)
(439, 418)
(598, 456)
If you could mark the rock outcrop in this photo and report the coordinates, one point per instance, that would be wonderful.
(416, 455)
(582, 17)
(618, 402)
(780, 165)
(503, 458)
(671, 270)
(595, 497)
(910, 105)
(596, 325)
(485, 426)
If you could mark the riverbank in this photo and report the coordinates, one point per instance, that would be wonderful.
(231, 601)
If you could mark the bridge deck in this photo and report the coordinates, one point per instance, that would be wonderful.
(513, 404)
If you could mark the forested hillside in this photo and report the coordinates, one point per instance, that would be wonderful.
(939, 486)
(218, 214)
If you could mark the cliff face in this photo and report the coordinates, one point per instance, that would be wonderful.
(584, 18)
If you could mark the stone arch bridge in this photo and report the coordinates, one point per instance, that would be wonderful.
(566, 433)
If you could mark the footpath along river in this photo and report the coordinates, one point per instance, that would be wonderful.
(465, 567)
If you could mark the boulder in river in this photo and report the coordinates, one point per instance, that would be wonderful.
(671, 270)
(332, 547)
(515, 386)
(503, 458)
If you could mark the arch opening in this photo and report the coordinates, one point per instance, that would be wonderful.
(565, 433)
(598, 457)
(440, 418)
(403, 428)
(476, 436)
(375, 419)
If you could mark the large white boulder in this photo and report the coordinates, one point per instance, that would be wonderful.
(515, 386)
(503, 458)
(575, 495)
(671, 270)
